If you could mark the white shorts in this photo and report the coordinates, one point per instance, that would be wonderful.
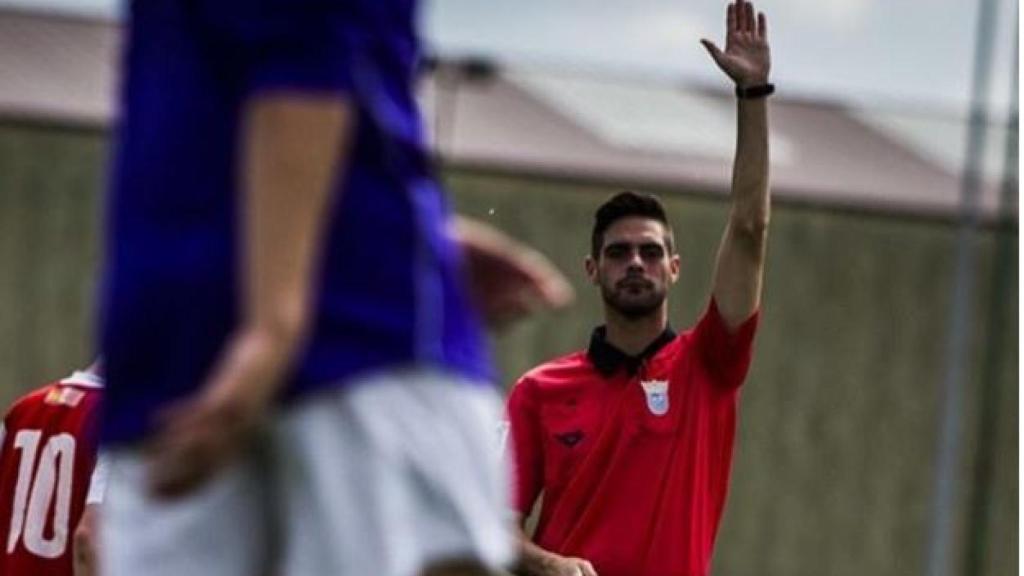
(387, 476)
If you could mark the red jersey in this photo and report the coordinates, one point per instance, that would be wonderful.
(633, 463)
(47, 454)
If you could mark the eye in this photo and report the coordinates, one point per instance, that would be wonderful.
(617, 251)
(652, 252)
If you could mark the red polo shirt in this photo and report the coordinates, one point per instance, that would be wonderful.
(634, 480)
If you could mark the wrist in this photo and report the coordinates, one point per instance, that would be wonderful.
(754, 80)
(547, 563)
(754, 91)
(248, 376)
(539, 562)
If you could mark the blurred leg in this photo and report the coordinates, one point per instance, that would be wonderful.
(397, 475)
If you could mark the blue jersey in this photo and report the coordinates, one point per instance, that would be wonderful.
(390, 293)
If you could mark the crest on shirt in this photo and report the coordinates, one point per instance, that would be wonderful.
(657, 396)
(570, 439)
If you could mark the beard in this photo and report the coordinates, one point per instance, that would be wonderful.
(633, 297)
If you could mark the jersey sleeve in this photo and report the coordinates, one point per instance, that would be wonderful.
(290, 45)
(726, 353)
(527, 449)
(98, 481)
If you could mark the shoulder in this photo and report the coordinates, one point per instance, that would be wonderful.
(558, 374)
(31, 401)
(676, 347)
(72, 392)
(561, 369)
(34, 397)
(551, 378)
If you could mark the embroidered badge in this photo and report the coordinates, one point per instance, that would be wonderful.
(657, 396)
(570, 439)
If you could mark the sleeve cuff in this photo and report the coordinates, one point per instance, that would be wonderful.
(727, 352)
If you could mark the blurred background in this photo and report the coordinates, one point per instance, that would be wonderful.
(879, 425)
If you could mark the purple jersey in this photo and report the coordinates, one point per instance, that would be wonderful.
(390, 292)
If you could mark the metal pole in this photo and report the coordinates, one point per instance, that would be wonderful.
(943, 506)
(1001, 291)
(446, 90)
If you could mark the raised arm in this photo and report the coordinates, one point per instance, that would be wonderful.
(739, 268)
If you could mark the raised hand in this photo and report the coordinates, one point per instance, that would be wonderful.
(746, 58)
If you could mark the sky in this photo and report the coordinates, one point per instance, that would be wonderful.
(892, 52)
(889, 53)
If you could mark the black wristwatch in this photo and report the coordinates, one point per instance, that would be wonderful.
(757, 91)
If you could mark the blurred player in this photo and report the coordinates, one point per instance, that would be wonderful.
(48, 474)
(276, 237)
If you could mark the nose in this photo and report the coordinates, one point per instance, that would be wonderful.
(635, 261)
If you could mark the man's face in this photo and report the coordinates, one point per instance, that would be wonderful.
(634, 268)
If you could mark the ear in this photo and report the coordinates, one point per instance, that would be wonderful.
(591, 267)
(674, 265)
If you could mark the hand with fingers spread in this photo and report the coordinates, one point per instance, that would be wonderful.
(746, 58)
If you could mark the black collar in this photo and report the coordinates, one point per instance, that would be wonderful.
(607, 358)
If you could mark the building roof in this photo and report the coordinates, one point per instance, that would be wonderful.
(57, 68)
(62, 69)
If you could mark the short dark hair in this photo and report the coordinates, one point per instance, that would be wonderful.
(627, 204)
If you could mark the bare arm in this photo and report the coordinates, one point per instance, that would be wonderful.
(739, 268)
(84, 544)
(294, 146)
(507, 279)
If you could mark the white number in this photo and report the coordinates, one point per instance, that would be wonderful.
(33, 497)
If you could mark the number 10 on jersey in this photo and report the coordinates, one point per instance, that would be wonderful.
(42, 474)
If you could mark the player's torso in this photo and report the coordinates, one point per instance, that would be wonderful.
(390, 291)
(646, 453)
(583, 410)
(46, 460)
